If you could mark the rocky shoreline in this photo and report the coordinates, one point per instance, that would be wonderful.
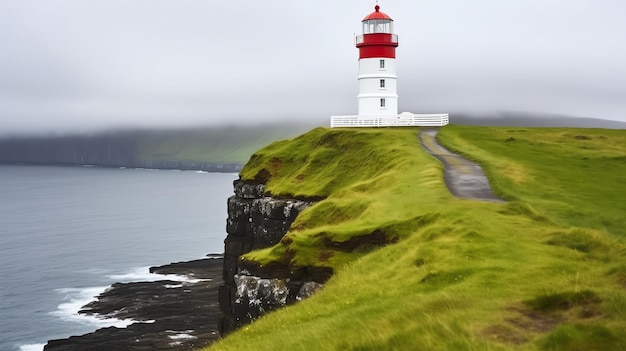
(170, 315)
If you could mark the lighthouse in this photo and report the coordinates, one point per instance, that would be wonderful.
(377, 66)
(378, 95)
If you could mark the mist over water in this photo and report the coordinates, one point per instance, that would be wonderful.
(66, 233)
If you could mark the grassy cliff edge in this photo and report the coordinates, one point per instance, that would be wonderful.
(416, 268)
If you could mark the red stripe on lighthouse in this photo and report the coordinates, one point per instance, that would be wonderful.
(377, 51)
(377, 45)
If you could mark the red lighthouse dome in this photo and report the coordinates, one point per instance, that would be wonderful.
(377, 15)
(378, 39)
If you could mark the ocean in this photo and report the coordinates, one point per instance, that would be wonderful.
(67, 233)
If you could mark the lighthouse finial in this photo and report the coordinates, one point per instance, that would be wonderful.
(377, 8)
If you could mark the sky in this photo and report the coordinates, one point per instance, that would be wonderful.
(76, 65)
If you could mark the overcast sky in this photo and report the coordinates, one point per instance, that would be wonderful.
(83, 64)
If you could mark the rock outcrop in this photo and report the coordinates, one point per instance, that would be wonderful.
(170, 315)
(257, 221)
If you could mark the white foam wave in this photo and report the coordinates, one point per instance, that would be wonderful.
(202, 172)
(143, 274)
(32, 347)
(181, 336)
(76, 298)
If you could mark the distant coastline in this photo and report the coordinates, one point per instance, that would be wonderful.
(217, 149)
(166, 166)
(126, 149)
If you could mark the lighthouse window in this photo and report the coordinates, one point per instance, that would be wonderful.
(382, 64)
(382, 102)
(377, 26)
(382, 83)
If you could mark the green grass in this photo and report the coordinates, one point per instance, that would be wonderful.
(460, 274)
(577, 175)
(361, 175)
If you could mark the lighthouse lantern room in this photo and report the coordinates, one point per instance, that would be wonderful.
(378, 97)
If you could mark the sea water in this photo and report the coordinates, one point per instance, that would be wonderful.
(67, 233)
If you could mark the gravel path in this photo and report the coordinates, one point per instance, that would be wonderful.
(464, 178)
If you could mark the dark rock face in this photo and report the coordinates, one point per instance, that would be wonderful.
(256, 221)
(256, 296)
(172, 315)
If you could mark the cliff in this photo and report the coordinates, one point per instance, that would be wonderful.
(256, 221)
(405, 265)
(303, 189)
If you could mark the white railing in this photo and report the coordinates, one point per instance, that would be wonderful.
(402, 120)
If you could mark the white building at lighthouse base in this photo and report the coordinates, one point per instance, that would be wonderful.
(405, 119)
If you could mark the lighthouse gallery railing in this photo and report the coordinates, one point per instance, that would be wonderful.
(359, 39)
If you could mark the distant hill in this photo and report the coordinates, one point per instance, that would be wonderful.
(224, 148)
(206, 148)
(523, 119)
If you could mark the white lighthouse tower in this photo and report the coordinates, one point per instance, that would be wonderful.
(378, 96)
(377, 66)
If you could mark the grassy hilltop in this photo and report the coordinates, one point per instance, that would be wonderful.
(417, 269)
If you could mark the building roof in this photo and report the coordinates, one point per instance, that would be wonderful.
(377, 15)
